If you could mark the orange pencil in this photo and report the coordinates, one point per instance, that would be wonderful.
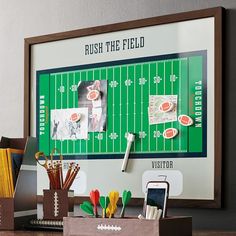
(57, 175)
(52, 174)
(51, 178)
(70, 180)
(68, 172)
(73, 177)
(61, 174)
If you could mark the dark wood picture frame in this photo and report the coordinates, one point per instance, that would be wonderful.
(216, 13)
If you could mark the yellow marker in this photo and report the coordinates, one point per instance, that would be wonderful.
(112, 207)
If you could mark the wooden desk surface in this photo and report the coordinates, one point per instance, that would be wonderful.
(28, 233)
(43, 233)
(213, 233)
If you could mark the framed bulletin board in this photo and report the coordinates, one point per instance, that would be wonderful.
(85, 90)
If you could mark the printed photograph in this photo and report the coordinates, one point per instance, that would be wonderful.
(93, 96)
(162, 109)
(69, 124)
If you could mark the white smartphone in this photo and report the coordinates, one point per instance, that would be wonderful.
(157, 195)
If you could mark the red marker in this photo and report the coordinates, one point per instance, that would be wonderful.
(94, 197)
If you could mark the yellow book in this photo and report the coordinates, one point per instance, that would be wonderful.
(14, 157)
(4, 173)
(9, 174)
(1, 174)
(10, 162)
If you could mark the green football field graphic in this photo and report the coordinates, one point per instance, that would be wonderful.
(128, 88)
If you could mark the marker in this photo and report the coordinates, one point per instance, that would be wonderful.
(151, 212)
(148, 208)
(159, 214)
(130, 139)
(155, 213)
(141, 217)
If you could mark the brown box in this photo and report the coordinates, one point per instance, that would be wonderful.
(57, 204)
(171, 226)
(16, 211)
(6, 213)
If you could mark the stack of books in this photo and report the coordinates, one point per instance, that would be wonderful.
(10, 162)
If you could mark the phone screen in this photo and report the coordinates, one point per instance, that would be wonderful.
(156, 197)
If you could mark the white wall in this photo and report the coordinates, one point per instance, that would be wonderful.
(27, 18)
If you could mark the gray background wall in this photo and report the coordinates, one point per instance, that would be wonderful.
(27, 18)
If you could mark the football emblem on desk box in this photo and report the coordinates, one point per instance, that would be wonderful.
(57, 203)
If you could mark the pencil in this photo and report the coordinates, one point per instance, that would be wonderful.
(68, 172)
(61, 173)
(71, 178)
(77, 168)
(51, 178)
(57, 174)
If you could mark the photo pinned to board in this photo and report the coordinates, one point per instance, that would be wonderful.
(157, 105)
(69, 124)
(93, 96)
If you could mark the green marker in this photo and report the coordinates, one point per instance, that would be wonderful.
(87, 208)
(104, 201)
(126, 196)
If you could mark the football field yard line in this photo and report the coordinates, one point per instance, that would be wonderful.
(120, 107)
(172, 84)
(113, 111)
(107, 130)
(68, 95)
(134, 145)
(188, 106)
(141, 108)
(127, 101)
(61, 107)
(157, 75)
(55, 90)
(92, 118)
(78, 144)
(180, 84)
(164, 80)
(80, 76)
(74, 94)
(149, 90)
(99, 139)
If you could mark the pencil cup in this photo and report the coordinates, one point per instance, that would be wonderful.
(57, 204)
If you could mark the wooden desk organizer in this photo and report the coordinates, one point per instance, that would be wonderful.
(170, 226)
(57, 204)
(16, 211)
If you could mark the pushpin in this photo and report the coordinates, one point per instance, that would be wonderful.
(166, 106)
(93, 95)
(185, 120)
(75, 117)
(170, 133)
